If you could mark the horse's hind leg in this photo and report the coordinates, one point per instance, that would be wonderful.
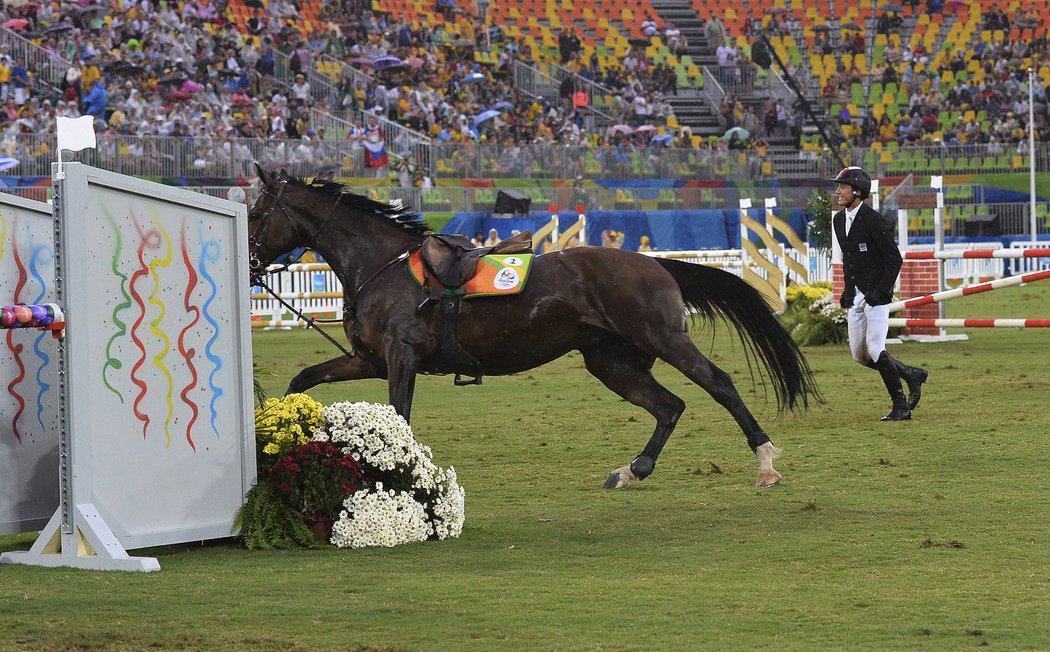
(680, 352)
(344, 367)
(628, 372)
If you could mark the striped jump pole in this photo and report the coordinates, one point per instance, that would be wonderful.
(977, 253)
(966, 291)
(972, 323)
(44, 316)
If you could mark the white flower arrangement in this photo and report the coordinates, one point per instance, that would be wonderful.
(413, 500)
(827, 306)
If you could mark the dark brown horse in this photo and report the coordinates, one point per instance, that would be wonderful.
(620, 309)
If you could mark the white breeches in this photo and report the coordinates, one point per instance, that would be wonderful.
(867, 326)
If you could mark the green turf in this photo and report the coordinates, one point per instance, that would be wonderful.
(931, 534)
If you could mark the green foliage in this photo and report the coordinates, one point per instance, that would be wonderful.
(818, 214)
(268, 523)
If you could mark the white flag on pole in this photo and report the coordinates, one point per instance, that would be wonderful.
(76, 134)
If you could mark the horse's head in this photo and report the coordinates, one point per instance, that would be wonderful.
(271, 229)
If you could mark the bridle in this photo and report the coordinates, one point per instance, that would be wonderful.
(254, 263)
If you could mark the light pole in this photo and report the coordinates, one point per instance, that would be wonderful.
(1031, 151)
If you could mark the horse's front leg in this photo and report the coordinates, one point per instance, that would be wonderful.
(402, 362)
(344, 367)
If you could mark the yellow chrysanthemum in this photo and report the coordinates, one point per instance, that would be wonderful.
(281, 423)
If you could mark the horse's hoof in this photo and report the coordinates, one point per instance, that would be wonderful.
(619, 478)
(767, 479)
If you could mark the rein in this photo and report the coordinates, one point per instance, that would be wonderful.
(310, 321)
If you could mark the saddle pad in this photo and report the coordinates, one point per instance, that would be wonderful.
(496, 275)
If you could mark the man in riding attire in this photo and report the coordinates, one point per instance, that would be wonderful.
(870, 265)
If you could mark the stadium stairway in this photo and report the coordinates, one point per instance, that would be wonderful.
(690, 108)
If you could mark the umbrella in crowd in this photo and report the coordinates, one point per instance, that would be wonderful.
(58, 28)
(414, 62)
(891, 7)
(501, 106)
(821, 28)
(191, 86)
(619, 129)
(178, 96)
(645, 129)
(473, 78)
(661, 139)
(124, 67)
(7, 162)
(742, 133)
(389, 61)
(15, 24)
(640, 42)
(485, 115)
(360, 61)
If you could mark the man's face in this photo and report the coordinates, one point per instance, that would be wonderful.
(843, 195)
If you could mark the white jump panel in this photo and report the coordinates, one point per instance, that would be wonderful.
(28, 371)
(158, 415)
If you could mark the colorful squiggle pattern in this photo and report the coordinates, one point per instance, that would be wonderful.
(42, 255)
(188, 354)
(16, 349)
(147, 240)
(154, 328)
(122, 327)
(210, 251)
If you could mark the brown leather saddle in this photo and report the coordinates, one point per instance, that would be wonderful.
(453, 259)
(449, 261)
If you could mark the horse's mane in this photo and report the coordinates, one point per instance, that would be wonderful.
(396, 212)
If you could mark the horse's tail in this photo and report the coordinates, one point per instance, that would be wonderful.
(713, 293)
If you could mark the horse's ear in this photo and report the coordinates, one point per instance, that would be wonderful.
(264, 177)
(326, 175)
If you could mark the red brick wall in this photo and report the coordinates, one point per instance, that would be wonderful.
(919, 278)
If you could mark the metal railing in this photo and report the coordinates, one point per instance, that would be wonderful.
(47, 68)
(233, 157)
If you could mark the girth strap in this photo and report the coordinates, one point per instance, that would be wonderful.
(450, 354)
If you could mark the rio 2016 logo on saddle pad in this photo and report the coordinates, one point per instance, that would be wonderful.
(496, 275)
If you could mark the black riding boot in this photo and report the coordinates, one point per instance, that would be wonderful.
(914, 377)
(887, 368)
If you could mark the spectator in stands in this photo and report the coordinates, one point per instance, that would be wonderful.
(673, 38)
(715, 31)
(5, 75)
(882, 25)
(95, 101)
(871, 262)
(20, 83)
(726, 55)
(493, 238)
(613, 239)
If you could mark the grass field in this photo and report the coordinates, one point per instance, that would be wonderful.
(930, 534)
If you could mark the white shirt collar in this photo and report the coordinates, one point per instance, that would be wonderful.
(852, 213)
